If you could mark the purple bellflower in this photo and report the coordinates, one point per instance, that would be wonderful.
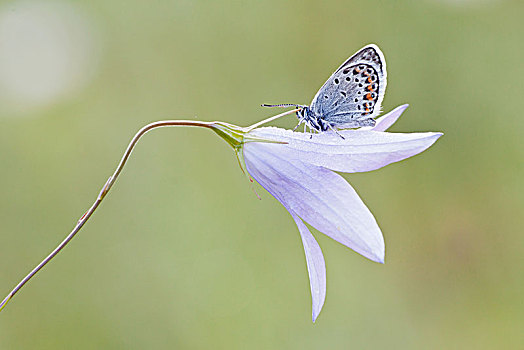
(299, 171)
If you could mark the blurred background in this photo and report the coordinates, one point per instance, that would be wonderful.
(182, 254)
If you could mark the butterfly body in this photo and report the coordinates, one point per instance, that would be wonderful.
(351, 97)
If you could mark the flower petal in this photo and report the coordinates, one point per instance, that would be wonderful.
(361, 150)
(319, 196)
(383, 123)
(316, 266)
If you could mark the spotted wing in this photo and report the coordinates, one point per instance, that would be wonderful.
(353, 95)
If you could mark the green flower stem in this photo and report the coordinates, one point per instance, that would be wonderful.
(103, 192)
(234, 135)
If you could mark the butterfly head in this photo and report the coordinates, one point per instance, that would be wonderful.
(306, 115)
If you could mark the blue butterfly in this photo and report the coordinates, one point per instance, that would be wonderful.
(351, 97)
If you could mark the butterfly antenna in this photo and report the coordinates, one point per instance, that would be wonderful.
(282, 105)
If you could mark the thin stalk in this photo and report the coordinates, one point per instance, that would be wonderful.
(103, 192)
(270, 119)
(233, 135)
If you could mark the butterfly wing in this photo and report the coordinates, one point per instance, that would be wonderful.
(353, 95)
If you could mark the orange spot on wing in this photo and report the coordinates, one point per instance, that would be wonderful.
(368, 96)
(369, 80)
(370, 88)
(367, 110)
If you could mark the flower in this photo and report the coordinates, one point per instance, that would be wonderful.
(299, 171)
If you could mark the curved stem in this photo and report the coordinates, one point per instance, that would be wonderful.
(105, 189)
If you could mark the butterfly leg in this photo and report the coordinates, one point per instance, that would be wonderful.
(299, 122)
(335, 130)
(306, 125)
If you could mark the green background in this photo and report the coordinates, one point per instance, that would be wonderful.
(182, 255)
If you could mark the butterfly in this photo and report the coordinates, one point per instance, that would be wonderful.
(351, 97)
